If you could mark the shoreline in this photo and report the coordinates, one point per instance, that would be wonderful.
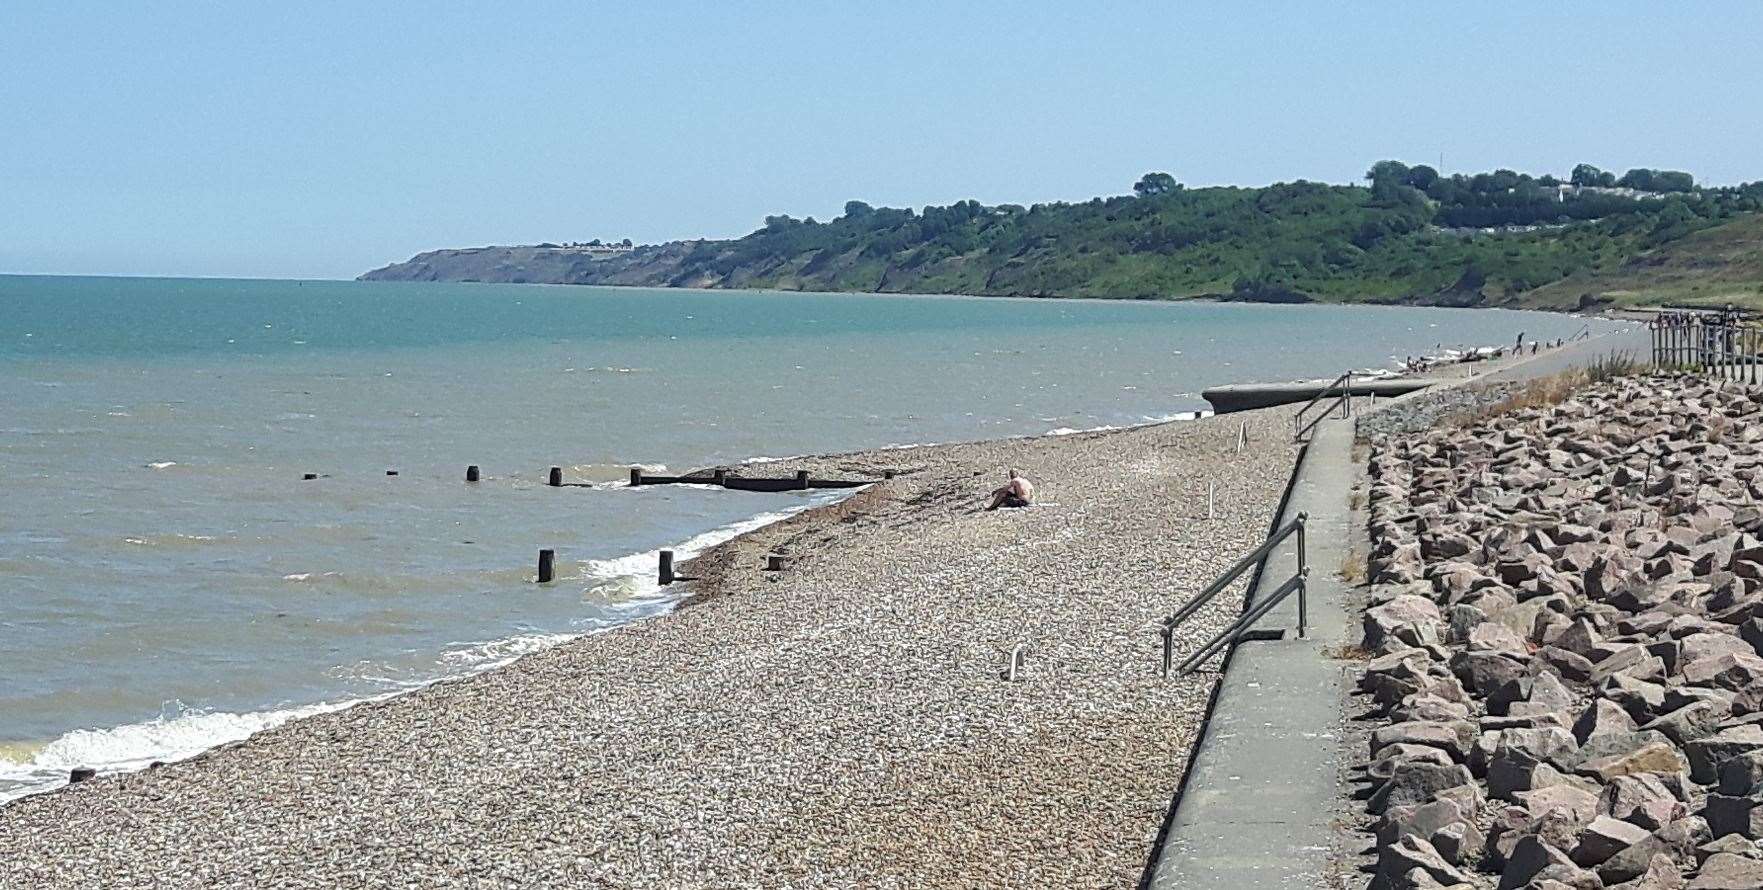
(649, 602)
(734, 618)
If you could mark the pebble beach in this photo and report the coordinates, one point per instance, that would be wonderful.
(843, 723)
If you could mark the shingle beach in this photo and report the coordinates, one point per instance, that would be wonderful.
(843, 723)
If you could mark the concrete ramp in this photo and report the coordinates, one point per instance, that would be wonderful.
(1247, 396)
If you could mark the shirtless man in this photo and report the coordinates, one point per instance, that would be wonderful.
(1018, 492)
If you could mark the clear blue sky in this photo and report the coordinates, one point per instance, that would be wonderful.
(323, 139)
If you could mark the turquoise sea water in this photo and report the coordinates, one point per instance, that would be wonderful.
(168, 581)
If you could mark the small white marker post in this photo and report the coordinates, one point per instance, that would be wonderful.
(1242, 436)
(1210, 488)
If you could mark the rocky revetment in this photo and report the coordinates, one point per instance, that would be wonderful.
(1565, 644)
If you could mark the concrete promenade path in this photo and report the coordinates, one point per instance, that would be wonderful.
(1257, 806)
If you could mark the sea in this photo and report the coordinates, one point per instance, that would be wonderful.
(169, 580)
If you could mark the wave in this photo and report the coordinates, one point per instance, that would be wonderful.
(179, 733)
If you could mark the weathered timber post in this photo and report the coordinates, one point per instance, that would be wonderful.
(636, 476)
(664, 570)
(471, 474)
(547, 565)
(308, 476)
(774, 563)
(556, 478)
(802, 479)
(720, 477)
(79, 774)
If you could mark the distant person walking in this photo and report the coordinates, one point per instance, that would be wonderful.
(1018, 492)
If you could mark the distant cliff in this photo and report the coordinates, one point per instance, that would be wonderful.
(1499, 239)
(649, 265)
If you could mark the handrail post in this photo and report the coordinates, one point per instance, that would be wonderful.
(1303, 603)
(1168, 647)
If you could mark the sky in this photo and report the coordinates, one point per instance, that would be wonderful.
(319, 140)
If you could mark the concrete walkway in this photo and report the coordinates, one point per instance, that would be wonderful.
(1256, 805)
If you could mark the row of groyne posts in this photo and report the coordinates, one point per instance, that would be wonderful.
(664, 570)
(1724, 342)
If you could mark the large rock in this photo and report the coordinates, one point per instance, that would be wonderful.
(1677, 840)
(1529, 857)
(1483, 672)
(1660, 757)
(1581, 805)
(1726, 871)
(1642, 700)
(1455, 738)
(1643, 799)
(1600, 718)
(1399, 860)
(1692, 721)
(1742, 774)
(1408, 618)
(1728, 814)
(1709, 753)
(1604, 837)
(1413, 783)
(1736, 671)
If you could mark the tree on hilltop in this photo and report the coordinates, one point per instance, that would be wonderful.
(1155, 184)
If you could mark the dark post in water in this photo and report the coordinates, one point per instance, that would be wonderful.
(636, 476)
(556, 477)
(471, 473)
(547, 565)
(309, 476)
(802, 479)
(719, 477)
(664, 572)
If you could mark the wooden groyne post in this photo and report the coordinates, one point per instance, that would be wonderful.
(547, 565)
(774, 563)
(802, 479)
(636, 476)
(471, 474)
(555, 480)
(664, 568)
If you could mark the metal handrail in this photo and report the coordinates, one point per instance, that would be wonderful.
(1296, 583)
(1255, 557)
(1338, 381)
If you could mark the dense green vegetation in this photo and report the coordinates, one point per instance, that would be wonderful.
(1409, 234)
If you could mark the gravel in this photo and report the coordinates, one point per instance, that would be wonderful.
(841, 723)
(1425, 410)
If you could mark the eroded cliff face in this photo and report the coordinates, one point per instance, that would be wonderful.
(652, 266)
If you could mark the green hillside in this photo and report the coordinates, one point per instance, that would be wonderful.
(1408, 235)
(1714, 266)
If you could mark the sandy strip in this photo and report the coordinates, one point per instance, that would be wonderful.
(840, 724)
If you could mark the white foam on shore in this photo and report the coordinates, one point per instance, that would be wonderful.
(176, 734)
(180, 733)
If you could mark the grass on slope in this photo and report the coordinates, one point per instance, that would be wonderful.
(1714, 266)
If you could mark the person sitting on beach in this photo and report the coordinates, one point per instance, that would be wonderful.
(1018, 492)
